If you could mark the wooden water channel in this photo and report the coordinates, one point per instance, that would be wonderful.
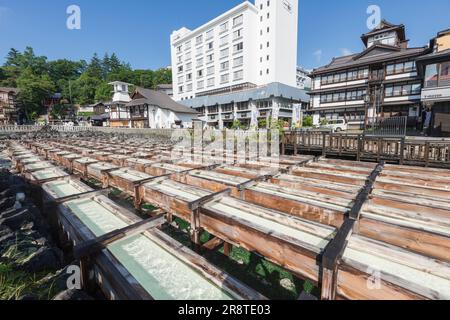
(432, 152)
(357, 230)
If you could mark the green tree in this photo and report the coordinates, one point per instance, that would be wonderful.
(103, 92)
(307, 121)
(13, 59)
(95, 68)
(84, 89)
(33, 90)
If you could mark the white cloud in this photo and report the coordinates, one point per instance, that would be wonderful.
(346, 52)
(318, 54)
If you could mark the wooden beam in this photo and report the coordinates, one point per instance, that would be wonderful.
(213, 244)
(94, 246)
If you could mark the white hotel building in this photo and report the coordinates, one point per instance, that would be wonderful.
(234, 61)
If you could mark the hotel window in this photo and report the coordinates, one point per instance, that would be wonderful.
(189, 77)
(224, 78)
(180, 89)
(431, 76)
(343, 77)
(188, 66)
(224, 40)
(199, 62)
(209, 34)
(341, 96)
(199, 40)
(261, 6)
(267, 58)
(261, 18)
(352, 75)
(224, 53)
(268, 3)
(390, 69)
(210, 45)
(180, 79)
(187, 56)
(444, 74)
(224, 27)
(268, 29)
(199, 73)
(268, 15)
(187, 46)
(180, 59)
(224, 66)
(410, 66)
(238, 20)
(238, 75)
(268, 44)
(363, 73)
(416, 89)
(179, 48)
(210, 71)
(238, 47)
(389, 91)
(180, 69)
(189, 87)
(200, 84)
(210, 82)
(210, 57)
(397, 90)
(199, 51)
(237, 34)
(238, 61)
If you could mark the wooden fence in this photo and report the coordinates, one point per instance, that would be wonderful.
(402, 150)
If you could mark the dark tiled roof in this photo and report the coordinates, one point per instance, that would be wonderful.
(387, 53)
(160, 99)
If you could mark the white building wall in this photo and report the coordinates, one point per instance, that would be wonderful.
(275, 23)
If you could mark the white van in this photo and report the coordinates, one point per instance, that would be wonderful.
(336, 125)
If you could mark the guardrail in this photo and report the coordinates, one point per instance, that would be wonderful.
(127, 131)
(425, 152)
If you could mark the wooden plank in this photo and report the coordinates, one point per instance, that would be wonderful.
(98, 244)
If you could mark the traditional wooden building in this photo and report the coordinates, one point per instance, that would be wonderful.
(435, 68)
(380, 82)
(156, 110)
(9, 112)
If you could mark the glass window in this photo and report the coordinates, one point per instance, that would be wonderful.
(209, 34)
(224, 66)
(397, 90)
(224, 40)
(416, 88)
(210, 82)
(399, 67)
(224, 53)
(238, 20)
(238, 75)
(336, 78)
(238, 61)
(224, 27)
(444, 78)
(431, 76)
(224, 78)
(410, 66)
(199, 40)
(352, 75)
(390, 69)
(342, 96)
(238, 47)
(389, 91)
(200, 84)
(406, 90)
(335, 97)
(237, 34)
(343, 77)
(210, 70)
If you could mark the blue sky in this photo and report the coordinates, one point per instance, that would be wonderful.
(138, 30)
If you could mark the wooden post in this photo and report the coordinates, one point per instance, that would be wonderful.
(358, 147)
(402, 151)
(295, 143)
(324, 144)
(283, 144)
(427, 154)
(227, 248)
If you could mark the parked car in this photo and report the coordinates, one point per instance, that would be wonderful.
(336, 125)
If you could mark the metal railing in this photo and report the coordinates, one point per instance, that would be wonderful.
(388, 127)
